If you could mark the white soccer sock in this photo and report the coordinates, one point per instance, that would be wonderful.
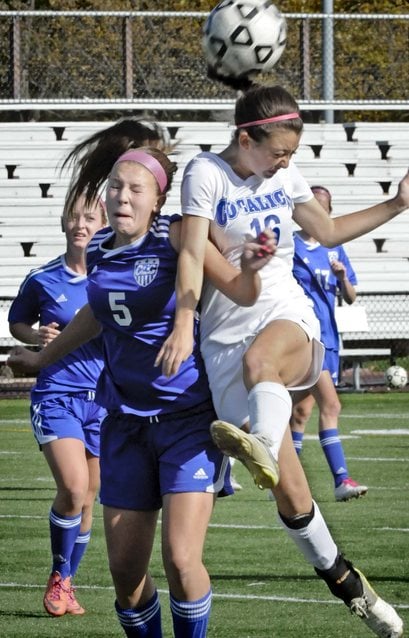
(315, 541)
(270, 409)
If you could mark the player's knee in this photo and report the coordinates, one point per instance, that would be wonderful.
(72, 497)
(331, 409)
(255, 366)
(178, 565)
(299, 418)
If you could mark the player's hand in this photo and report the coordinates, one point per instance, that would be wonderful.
(338, 269)
(176, 349)
(403, 192)
(47, 333)
(23, 360)
(259, 252)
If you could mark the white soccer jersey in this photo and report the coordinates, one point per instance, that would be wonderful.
(239, 209)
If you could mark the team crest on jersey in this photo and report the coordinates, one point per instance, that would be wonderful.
(332, 256)
(145, 270)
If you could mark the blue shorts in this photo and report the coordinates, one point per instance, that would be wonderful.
(331, 363)
(142, 461)
(74, 416)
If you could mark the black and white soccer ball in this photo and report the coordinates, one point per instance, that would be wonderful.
(396, 377)
(243, 37)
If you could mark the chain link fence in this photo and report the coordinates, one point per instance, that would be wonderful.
(151, 59)
(387, 321)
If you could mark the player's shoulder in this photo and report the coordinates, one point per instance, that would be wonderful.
(42, 275)
(98, 238)
(162, 223)
(47, 269)
(206, 161)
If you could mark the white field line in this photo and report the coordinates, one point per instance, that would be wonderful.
(380, 459)
(392, 529)
(379, 415)
(388, 432)
(344, 415)
(212, 525)
(270, 598)
(215, 525)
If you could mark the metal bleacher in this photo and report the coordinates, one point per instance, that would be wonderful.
(360, 163)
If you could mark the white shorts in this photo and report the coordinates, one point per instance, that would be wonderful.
(224, 366)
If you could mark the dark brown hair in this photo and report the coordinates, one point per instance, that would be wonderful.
(92, 158)
(325, 190)
(263, 102)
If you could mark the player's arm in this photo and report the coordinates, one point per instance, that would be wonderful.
(80, 329)
(347, 289)
(34, 336)
(333, 231)
(25, 333)
(189, 279)
(241, 286)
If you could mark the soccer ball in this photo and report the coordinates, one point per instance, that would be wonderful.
(396, 377)
(242, 37)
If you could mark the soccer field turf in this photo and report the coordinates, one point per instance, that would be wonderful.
(262, 585)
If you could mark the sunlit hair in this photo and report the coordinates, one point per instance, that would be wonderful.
(92, 158)
(97, 204)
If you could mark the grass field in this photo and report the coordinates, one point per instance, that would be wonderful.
(262, 585)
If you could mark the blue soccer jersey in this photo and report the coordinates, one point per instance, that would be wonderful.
(55, 293)
(313, 272)
(131, 290)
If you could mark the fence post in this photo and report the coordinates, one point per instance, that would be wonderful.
(128, 65)
(328, 58)
(305, 59)
(15, 56)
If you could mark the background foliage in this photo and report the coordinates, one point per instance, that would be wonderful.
(86, 58)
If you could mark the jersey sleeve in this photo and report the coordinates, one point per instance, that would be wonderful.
(93, 248)
(200, 188)
(301, 192)
(26, 306)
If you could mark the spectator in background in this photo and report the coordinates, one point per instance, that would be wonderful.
(324, 273)
(64, 417)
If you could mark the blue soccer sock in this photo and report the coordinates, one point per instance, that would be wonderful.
(298, 438)
(334, 453)
(63, 531)
(141, 622)
(80, 545)
(190, 618)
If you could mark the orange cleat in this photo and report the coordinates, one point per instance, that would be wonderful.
(73, 606)
(56, 595)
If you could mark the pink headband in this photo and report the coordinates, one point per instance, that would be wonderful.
(149, 162)
(276, 118)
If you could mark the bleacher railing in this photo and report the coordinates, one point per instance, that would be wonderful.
(153, 60)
